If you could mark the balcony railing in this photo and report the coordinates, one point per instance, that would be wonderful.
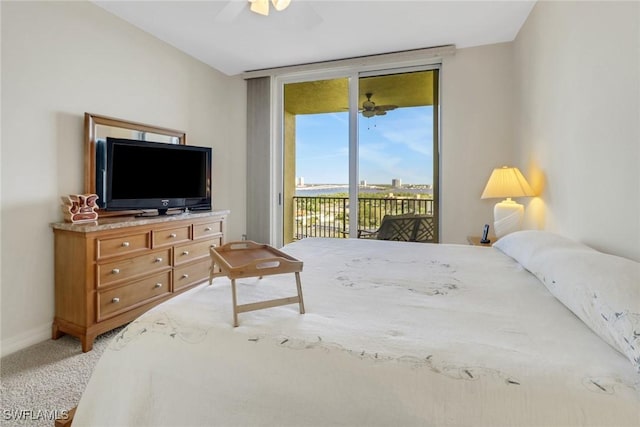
(329, 216)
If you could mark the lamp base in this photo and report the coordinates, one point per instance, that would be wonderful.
(507, 217)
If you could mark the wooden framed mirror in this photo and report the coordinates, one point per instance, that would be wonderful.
(97, 128)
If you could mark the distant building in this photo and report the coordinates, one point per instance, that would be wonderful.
(300, 181)
(396, 183)
(363, 183)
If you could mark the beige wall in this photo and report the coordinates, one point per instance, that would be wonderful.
(59, 60)
(577, 68)
(477, 135)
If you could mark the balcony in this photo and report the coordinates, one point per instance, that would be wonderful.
(329, 216)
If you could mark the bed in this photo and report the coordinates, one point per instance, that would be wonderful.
(394, 334)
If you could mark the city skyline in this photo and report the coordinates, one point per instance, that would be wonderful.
(394, 146)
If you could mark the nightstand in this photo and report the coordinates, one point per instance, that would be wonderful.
(475, 241)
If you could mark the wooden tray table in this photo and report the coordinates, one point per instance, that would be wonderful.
(250, 259)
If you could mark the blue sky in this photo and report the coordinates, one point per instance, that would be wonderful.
(397, 145)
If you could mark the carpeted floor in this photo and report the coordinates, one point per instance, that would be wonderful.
(40, 382)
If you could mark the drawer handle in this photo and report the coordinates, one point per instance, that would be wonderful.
(125, 244)
(208, 229)
(185, 276)
(185, 252)
(158, 285)
(173, 235)
(115, 271)
(158, 259)
(115, 300)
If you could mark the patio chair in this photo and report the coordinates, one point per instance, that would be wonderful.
(403, 228)
(425, 229)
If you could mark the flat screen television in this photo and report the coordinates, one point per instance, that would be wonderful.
(141, 175)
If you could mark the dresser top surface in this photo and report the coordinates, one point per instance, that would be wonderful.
(110, 223)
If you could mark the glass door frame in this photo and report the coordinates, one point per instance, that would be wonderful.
(278, 155)
(352, 73)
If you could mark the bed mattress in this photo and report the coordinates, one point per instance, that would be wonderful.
(394, 334)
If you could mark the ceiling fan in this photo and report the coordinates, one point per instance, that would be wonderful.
(262, 6)
(370, 109)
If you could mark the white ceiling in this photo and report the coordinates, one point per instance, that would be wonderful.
(229, 37)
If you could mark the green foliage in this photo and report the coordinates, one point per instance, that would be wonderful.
(328, 215)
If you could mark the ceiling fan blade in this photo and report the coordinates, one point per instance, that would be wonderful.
(280, 4)
(260, 6)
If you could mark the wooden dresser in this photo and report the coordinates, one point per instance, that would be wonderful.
(110, 272)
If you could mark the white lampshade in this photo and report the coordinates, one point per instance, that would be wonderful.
(507, 182)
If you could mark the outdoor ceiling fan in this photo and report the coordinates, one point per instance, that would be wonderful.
(262, 6)
(370, 109)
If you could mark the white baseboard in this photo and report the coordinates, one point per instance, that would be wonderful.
(25, 339)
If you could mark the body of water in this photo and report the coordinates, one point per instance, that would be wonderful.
(329, 190)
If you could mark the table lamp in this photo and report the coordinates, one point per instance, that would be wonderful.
(507, 182)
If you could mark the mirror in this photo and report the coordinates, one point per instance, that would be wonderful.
(98, 128)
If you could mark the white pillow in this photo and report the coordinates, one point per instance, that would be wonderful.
(525, 244)
(602, 290)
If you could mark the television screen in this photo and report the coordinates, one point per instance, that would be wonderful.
(152, 175)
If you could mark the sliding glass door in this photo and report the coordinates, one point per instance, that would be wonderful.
(356, 148)
(316, 159)
(397, 149)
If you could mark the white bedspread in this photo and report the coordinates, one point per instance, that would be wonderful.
(395, 334)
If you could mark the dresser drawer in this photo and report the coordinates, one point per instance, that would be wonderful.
(191, 252)
(171, 236)
(123, 245)
(117, 271)
(208, 229)
(191, 274)
(114, 301)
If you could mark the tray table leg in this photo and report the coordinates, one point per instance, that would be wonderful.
(300, 300)
(212, 268)
(235, 305)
